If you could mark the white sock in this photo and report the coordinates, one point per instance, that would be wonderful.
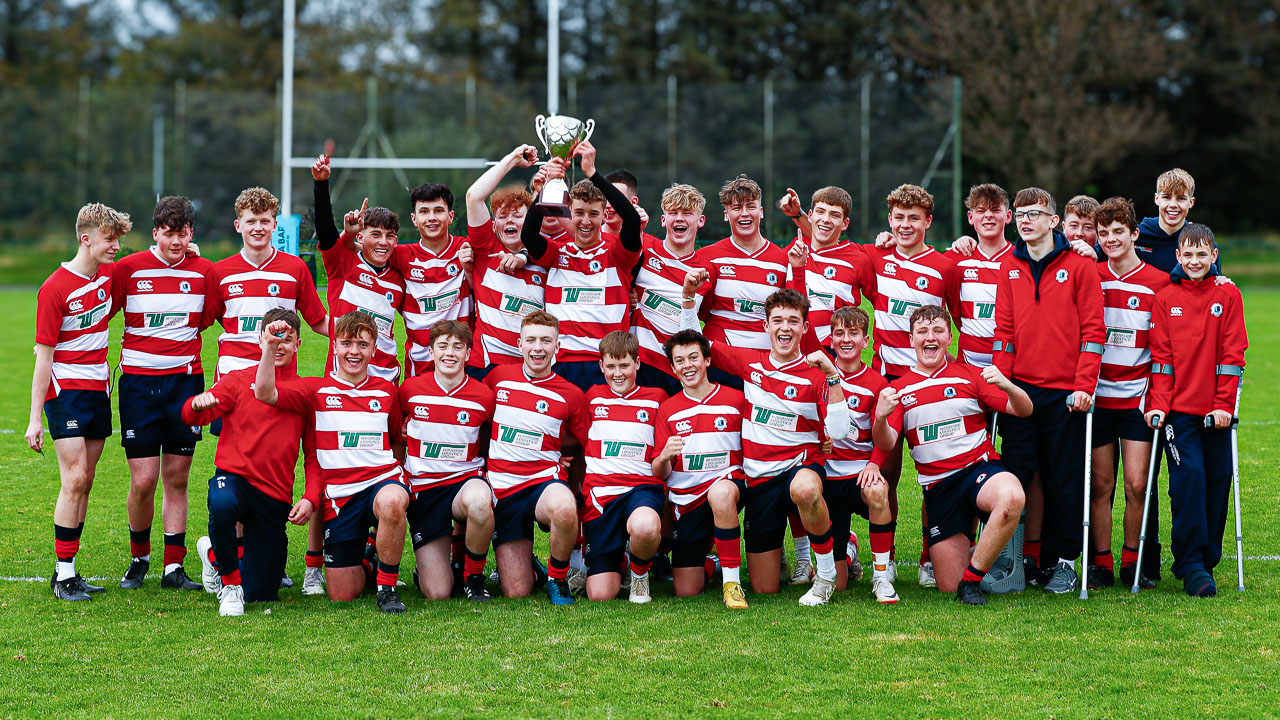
(802, 549)
(634, 576)
(1070, 563)
(729, 575)
(65, 569)
(146, 557)
(171, 567)
(575, 560)
(826, 565)
(880, 561)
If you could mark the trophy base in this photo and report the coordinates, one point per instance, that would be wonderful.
(552, 209)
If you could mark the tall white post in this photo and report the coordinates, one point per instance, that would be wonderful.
(286, 111)
(553, 56)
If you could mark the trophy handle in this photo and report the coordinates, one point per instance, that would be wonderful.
(540, 128)
(587, 129)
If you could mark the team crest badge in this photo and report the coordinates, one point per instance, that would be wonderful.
(391, 297)
(1061, 276)
(184, 286)
(273, 289)
(642, 415)
(922, 283)
(1216, 309)
(1133, 302)
(464, 417)
(790, 392)
(594, 266)
(375, 405)
(771, 278)
(451, 269)
(542, 406)
(829, 272)
(721, 423)
(102, 294)
(949, 392)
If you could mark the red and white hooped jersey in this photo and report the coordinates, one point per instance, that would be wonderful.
(354, 428)
(979, 276)
(740, 284)
(436, 289)
(239, 293)
(712, 433)
(834, 277)
(619, 448)
(1127, 300)
(72, 313)
(788, 405)
(530, 418)
(355, 285)
(902, 285)
(849, 455)
(443, 430)
(660, 288)
(502, 301)
(943, 418)
(589, 292)
(163, 308)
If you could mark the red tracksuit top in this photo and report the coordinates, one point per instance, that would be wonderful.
(1050, 333)
(1198, 341)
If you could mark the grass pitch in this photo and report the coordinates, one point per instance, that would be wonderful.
(145, 653)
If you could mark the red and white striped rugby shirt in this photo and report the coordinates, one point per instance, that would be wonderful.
(902, 285)
(712, 432)
(740, 284)
(239, 293)
(163, 308)
(943, 418)
(355, 426)
(502, 301)
(660, 288)
(619, 448)
(72, 313)
(1126, 358)
(437, 289)
(355, 285)
(849, 455)
(788, 405)
(834, 277)
(979, 276)
(530, 418)
(443, 430)
(589, 292)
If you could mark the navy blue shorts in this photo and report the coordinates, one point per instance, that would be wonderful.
(513, 516)
(346, 533)
(151, 414)
(952, 502)
(844, 500)
(695, 529)
(649, 376)
(430, 513)
(1111, 424)
(79, 413)
(768, 508)
(479, 373)
(723, 377)
(583, 373)
(606, 536)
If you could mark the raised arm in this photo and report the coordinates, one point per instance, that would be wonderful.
(483, 187)
(326, 230)
(629, 235)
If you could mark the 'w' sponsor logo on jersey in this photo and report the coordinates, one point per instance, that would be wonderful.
(436, 303)
(250, 323)
(902, 308)
(384, 323)
(361, 440)
(660, 303)
(520, 438)
(706, 461)
(583, 296)
(519, 306)
(623, 450)
(774, 418)
(444, 451)
(984, 311)
(944, 430)
(87, 320)
(166, 319)
(824, 298)
(744, 305)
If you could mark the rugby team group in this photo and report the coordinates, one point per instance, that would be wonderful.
(658, 408)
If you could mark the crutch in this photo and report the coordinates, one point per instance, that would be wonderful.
(1146, 500)
(1235, 488)
(1088, 486)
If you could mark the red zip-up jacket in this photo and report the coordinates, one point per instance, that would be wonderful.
(1198, 341)
(1049, 327)
(258, 441)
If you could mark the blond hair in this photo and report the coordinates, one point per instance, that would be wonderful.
(910, 196)
(683, 197)
(1176, 182)
(96, 216)
(1082, 206)
(256, 200)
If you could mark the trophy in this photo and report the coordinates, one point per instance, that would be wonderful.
(558, 133)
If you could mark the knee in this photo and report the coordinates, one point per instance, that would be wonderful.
(646, 528)
(222, 506)
(479, 508)
(343, 594)
(806, 490)
(876, 496)
(722, 495)
(1012, 499)
(391, 507)
(564, 514)
(599, 595)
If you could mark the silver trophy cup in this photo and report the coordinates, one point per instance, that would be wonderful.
(559, 133)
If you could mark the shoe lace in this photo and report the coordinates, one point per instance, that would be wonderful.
(735, 592)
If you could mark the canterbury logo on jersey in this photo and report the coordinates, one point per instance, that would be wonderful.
(361, 440)
(89, 319)
(944, 430)
(775, 418)
(706, 461)
(984, 311)
(519, 437)
(519, 306)
(166, 319)
(743, 305)
(443, 451)
(623, 450)
(436, 303)
(902, 308)
(583, 296)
